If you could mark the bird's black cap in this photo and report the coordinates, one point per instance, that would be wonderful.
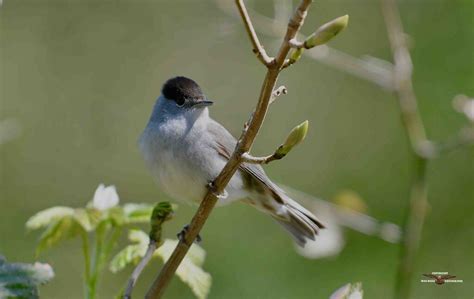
(181, 88)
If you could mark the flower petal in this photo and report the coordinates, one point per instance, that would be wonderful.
(105, 197)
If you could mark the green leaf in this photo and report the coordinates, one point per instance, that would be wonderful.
(138, 236)
(137, 213)
(48, 216)
(18, 280)
(131, 253)
(140, 213)
(94, 215)
(189, 271)
(61, 229)
(116, 216)
(83, 219)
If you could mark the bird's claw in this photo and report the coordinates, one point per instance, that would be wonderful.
(183, 233)
(222, 195)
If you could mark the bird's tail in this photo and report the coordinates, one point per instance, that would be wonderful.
(299, 222)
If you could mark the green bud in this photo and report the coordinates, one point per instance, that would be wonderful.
(326, 32)
(161, 212)
(296, 55)
(295, 137)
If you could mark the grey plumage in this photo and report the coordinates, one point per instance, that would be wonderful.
(185, 149)
(301, 223)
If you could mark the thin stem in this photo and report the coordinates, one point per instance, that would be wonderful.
(414, 221)
(464, 138)
(257, 46)
(87, 262)
(112, 241)
(403, 69)
(294, 43)
(260, 160)
(97, 260)
(139, 268)
(374, 70)
(243, 145)
(416, 211)
(104, 248)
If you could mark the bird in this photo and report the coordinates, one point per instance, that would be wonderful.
(185, 149)
(440, 279)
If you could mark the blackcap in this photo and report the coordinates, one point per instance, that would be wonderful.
(185, 149)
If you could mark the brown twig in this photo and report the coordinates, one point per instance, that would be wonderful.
(243, 145)
(257, 46)
(395, 77)
(260, 160)
(373, 70)
(423, 149)
(294, 43)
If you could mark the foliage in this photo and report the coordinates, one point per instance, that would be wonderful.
(102, 221)
(18, 280)
(190, 271)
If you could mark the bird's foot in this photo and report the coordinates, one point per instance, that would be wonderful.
(183, 233)
(222, 195)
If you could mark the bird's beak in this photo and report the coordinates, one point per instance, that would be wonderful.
(202, 104)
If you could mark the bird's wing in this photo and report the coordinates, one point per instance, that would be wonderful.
(298, 221)
(225, 147)
(430, 276)
(449, 276)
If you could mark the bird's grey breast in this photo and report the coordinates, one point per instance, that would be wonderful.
(180, 156)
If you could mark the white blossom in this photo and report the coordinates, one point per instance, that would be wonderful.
(105, 197)
(349, 291)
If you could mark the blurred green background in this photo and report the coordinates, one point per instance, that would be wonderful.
(81, 77)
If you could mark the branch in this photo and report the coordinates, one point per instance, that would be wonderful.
(257, 46)
(374, 70)
(162, 212)
(418, 204)
(464, 138)
(295, 137)
(371, 69)
(294, 43)
(243, 145)
(152, 246)
(260, 160)
(403, 69)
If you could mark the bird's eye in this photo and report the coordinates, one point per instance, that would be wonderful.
(180, 102)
